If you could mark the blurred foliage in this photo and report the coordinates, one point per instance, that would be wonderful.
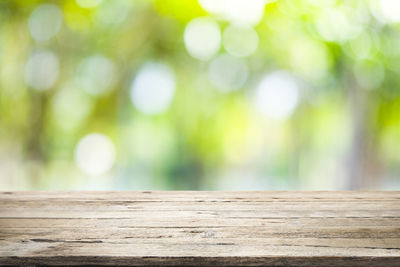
(168, 94)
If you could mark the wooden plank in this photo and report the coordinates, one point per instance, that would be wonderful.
(257, 228)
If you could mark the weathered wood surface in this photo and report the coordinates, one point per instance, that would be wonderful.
(257, 228)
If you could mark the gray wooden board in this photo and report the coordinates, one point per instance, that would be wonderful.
(246, 228)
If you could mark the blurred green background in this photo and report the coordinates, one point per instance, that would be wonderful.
(201, 95)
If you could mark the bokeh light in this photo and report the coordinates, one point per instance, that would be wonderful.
(338, 24)
(202, 38)
(240, 41)
(227, 73)
(237, 11)
(88, 3)
(389, 11)
(45, 21)
(95, 154)
(112, 13)
(96, 74)
(71, 107)
(41, 70)
(276, 95)
(153, 88)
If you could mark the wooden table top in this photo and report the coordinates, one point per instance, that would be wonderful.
(256, 228)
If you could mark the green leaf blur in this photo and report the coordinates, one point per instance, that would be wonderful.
(200, 95)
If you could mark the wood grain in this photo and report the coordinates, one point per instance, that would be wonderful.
(257, 228)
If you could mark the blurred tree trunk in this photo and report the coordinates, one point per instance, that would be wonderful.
(363, 167)
(34, 147)
(357, 111)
